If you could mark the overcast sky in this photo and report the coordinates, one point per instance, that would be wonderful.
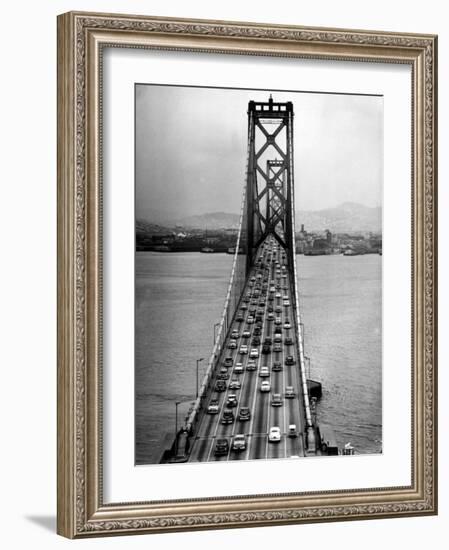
(191, 149)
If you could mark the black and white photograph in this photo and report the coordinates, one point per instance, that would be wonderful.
(258, 274)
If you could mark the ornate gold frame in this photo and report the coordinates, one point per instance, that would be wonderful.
(81, 37)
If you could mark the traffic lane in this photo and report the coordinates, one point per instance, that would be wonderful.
(259, 430)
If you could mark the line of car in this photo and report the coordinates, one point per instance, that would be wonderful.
(252, 305)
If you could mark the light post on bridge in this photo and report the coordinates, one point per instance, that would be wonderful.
(198, 361)
(215, 333)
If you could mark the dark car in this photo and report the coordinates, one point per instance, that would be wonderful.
(221, 447)
(289, 360)
(227, 418)
(228, 362)
(244, 413)
(240, 318)
(288, 341)
(277, 366)
(220, 385)
(223, 376)
(257, 331)
(256, 341)
(278, 330)
(232, 400)
(266, 348)
(268, 340)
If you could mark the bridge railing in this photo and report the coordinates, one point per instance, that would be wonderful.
(297, 321)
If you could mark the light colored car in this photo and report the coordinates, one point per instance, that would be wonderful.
(278, 295)
(286, 303)
(276, 400)
(238, 369)
(287, 325)
(213, 407)
(292, 432)
(250, 320)
(289, 392)
(274, 435)
(264, 372)
(277, 347)
(239, 442)
(265, 386)
(254, 354)
(278, 321)
(232, 344)
(246, 334)
(243, 350)
(235, 384)
(251, 365)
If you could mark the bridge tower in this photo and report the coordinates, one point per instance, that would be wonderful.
(270, 184)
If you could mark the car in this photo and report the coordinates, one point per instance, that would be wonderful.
(243, 307)
(220, 385)
(278, 309)
(264, 371)
(232, 344)
(255, 341)
(268, 340)
(287, 325)
(250, 320)
(232, 400)
(243, 350)
(284, 275)
(289, 392)
(257, 331)
(270, 298)
(288, 341)
(289, 360)
(251, 365)
(292, 432)
(266, 348)
(213, 406)
(228, 362)
(244, 414)
(276, 400)
(274, 435)
(278, 295)
(285, 297)
(265, 386)
(239, 443)
(278, 330)
(286, 303)
(277, 347)
(277, 366)
(278, 321)
(235, 335)
(252, 310)
(221, 447)
(254, 353)
(240, 318)
(223, 376)
(235, 384)
(277, 338)
(228, 417)
(270, 317)
(270, 309)
(246, 334)
(238, 369)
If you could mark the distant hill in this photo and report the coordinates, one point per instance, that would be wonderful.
(347, 217)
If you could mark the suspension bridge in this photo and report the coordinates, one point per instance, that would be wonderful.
(253, 401)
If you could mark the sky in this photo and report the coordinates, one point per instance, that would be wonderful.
(191, 149)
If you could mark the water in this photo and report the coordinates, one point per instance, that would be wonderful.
(179, 298)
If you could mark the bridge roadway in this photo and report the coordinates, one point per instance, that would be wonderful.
(257, 295)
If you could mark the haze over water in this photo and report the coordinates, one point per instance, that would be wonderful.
(179, 298)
